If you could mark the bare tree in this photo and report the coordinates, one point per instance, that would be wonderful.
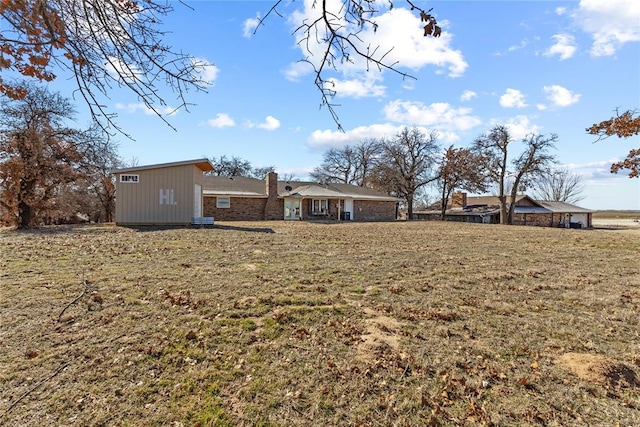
(338, 28)
(623, 125)
(288, 177)
(99, 158)
(461, 169)
(38, 153)
(338, 165)
(368, 154)
(352, 164)
(407, 165)
(532, 162)
(104, 43)
(493, 149)
(261, 171)
(235, 166)
(559, 185)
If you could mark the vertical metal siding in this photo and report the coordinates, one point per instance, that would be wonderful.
(140, 203)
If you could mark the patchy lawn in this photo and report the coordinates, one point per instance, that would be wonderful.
(291, 323)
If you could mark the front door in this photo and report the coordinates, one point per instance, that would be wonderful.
(291, 208)
(348, 209)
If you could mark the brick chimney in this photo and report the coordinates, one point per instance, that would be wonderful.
(459, 200)
(272, 206)
(272, 184)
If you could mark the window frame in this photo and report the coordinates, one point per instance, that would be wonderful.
(129, 178)
(224, 205)
(322, 206)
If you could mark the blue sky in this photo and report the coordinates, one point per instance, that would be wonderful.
(536, 66)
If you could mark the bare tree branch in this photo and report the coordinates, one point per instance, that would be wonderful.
(560, 185)
(33, 388)
(339, 32)
(105, 44)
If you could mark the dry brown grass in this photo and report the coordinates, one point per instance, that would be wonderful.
(291, 323)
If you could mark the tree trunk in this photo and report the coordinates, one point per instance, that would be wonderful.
(24, 214)
(504, 216)
(512, 200)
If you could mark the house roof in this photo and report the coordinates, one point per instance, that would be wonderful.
(362, 193)
(563, 207)
(524, 204)
(313, 190)
(238, 186)
(203, 164)
(494, 200)
(251, 187)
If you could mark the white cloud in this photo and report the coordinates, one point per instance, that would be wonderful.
(324, 139)
(399, 37)
(401, 30)
(249, 26)
(206, 70)
(222, 120)
(468, 95)
(297, 70)
(513, 48)
(512, 98)
(591, 165)
(594, 172)
(519, 46)
(120, 70)
(564, 46)
(139, 106)
(438, 115)
(561, 11)
(270, 123)
(611, 23)
(357, 88)
(560, 96)
(519, 126)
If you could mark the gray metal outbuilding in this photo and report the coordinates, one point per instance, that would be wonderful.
(161, 194)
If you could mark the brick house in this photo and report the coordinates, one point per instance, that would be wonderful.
(486, 209)
(249, 199)
(180, 193)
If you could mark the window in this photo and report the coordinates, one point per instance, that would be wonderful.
(319, 207)
(223, 202)
(129, 178)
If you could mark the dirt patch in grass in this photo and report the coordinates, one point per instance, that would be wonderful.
(381, 333)
(294, 323)
(599, 369)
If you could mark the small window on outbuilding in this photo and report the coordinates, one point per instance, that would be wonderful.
(129, 178)
(223, 202)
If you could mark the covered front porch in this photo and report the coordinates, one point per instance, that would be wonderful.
(318, 204)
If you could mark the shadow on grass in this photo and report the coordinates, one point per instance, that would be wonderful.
(146, 228)
(110, 227)
(98, 228)
(240, 228)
